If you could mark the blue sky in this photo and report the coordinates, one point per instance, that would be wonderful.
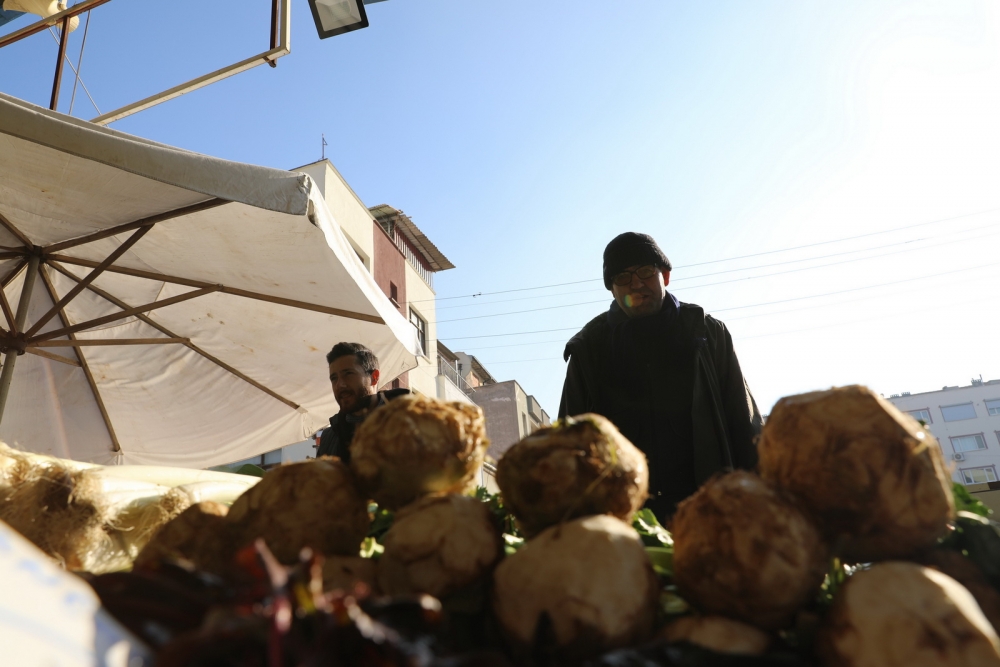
(522, 137)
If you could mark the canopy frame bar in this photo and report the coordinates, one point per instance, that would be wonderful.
(13, 274)
(190, 345)
(16, 232)
(50, 288)
(162, 277)
(7, 375)
(7, 312)
(145, 308)
(129, 226)
(89, 278)
(53, 357)
(105, 342)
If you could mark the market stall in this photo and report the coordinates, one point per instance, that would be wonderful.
(168, 308)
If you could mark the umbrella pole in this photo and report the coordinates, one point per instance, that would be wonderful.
(22, 314)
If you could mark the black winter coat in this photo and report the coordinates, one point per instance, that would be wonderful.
(336, 440)
(725, 421)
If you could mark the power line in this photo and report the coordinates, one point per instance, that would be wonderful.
(784, 333)
(848, 238)
(721, 282)
(856, 289)
(755, 305)
(728, 319)
(868, 319)
(518, 312)
(518, 361)
(852, 252)
(750, 268)
(514, 333)
(822, 266)
(730, 259)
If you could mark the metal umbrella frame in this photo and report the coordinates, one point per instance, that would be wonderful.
(175, 307)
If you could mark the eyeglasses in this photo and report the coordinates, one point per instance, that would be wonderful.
(643, 272)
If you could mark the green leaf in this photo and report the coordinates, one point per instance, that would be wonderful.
(371, 549)
(381, 522)
(662, 559)
(964, 502)
(650, 530)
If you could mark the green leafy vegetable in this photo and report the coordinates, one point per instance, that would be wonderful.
(964, 502)
(652, 533)
(381, 522)
(505, 519)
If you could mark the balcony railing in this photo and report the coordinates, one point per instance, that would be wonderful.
(411, 257)
(450, 372)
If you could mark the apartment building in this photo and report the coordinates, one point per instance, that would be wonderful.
(966, 421)
(403, 262)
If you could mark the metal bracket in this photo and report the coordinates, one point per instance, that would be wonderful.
(280, 36)
(281, 13)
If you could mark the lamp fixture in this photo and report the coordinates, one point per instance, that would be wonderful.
(335, 17)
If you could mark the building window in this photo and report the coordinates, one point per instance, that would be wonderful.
(993, 406)
(979, 475)
(394, 294)
(954, 413)
(420, 324)
(923, 415)
(968, 443)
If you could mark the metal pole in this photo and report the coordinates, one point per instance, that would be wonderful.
(22, 314)
(63, 40)
(275, 29)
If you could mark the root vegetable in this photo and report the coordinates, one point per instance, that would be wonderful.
(312, 504)
(719, 634)
(576, 590)
(55, 509)
(198, 534)
(137, 522)
(438, 545)
(414, 446)
(743, 551)
(68, 510)
(968, 574)
(873, 477)
(345, 572)
(900, 613)
(577, 467)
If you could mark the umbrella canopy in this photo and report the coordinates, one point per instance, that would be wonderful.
(163, 307)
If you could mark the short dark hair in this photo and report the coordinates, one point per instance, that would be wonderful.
(366, 358)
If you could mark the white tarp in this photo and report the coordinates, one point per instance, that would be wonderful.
(177, 404)
(51, 618)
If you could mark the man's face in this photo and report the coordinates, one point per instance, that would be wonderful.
(639, 297)
(351, 385)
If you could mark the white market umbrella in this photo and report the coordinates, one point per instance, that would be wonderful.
(163, 307)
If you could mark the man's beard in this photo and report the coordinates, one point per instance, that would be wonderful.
(352, 401)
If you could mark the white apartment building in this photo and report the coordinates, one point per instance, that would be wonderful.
(966, 421)
(403, 262)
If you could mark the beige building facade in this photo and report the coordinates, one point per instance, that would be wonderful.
(966, 421)
(403, 262)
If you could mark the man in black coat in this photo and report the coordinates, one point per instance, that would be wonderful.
(665, 374)
(354, 377)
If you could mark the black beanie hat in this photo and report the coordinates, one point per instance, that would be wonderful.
(632, 249)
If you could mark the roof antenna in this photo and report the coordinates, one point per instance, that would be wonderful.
(324, 146)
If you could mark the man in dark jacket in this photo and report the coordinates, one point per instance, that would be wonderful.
(354, 376)
(665, 374)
